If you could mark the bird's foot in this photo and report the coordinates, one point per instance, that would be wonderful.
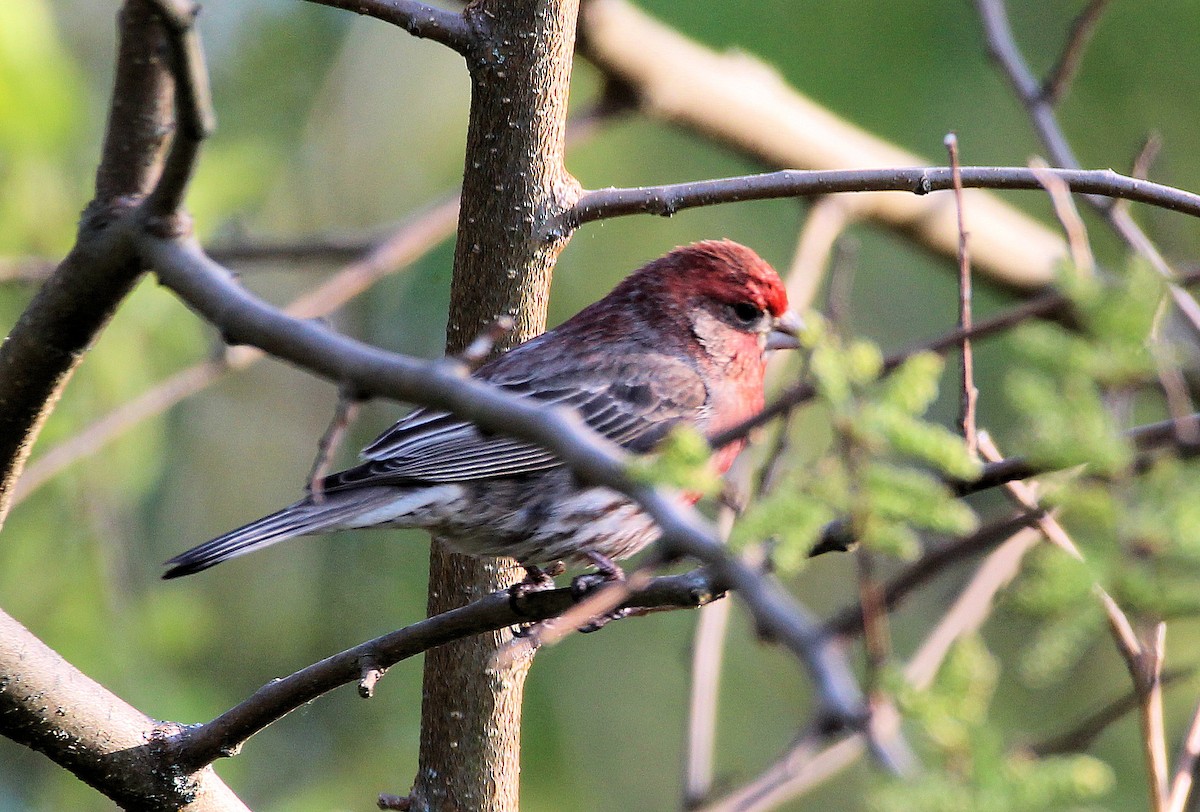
(536, 579)
(606, 572)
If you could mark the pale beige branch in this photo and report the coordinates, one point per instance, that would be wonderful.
(828, 218)
(1189, 756)
(739, 101)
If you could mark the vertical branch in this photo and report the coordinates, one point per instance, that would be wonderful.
(708, 653)
(513, 181)
(56, 329)
(969, 393)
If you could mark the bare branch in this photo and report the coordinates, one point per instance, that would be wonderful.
(1004, 48)
(48, 341)
(741, 103)
(48, 705)
(1143, 655)
(194, 117)
(344, 415)
(242, 317)
(1068, 217)
(669, 199)
(195, 747)
(419, 19)
(708, 650)
(848, 620)
(411, 240)
(969, 393)
(1082, 735)
(1185, 767)
(1063, 72)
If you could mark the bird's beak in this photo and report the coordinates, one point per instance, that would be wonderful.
(785, 331)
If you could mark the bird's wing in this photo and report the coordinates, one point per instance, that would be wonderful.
(634, 404)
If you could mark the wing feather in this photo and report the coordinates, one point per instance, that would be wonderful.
(634, 407)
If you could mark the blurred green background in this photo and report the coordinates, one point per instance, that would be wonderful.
(332, 124)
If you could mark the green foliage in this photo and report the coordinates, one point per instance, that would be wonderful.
(39, 128)
(1062, 377)
(1137, 534)
(682, 460)
(1138, 540)
(885, 466)
(967, 765)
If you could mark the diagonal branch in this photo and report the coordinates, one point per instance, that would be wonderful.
(740, 103)
(196, 747)
(51, 336)
(1064, 70)
(243, 318)
(410, 241)
(1040, 107)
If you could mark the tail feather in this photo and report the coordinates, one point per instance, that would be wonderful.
(301, 519)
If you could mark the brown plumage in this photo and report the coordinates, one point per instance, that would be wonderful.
(682, 340)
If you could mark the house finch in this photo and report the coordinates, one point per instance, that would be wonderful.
(680, 341)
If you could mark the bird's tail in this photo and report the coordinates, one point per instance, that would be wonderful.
(301, 519)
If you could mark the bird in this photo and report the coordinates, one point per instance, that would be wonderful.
(681, 341)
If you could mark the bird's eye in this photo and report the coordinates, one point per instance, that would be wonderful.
(746, 312)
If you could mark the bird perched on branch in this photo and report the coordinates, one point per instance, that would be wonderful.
(680, 341)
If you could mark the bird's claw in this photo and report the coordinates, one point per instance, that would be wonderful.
(606, 573)
(536, 579)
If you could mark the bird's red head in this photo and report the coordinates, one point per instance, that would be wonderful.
(715, 300)
(724, 271)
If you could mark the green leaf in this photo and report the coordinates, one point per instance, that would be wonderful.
(683, 459)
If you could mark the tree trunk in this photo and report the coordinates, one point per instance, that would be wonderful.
(513, 181)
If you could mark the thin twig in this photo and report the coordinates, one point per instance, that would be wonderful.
(970, 394)
(194, 118)
(1068, 216)
(708, 653)
(848, 620)
(1143, 655)
(841, 280)
(1081, 736)
(1142, 162)
(1055, 85)
(344, 415)
(1185, 766)
(1003, 47)
(819, 240)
